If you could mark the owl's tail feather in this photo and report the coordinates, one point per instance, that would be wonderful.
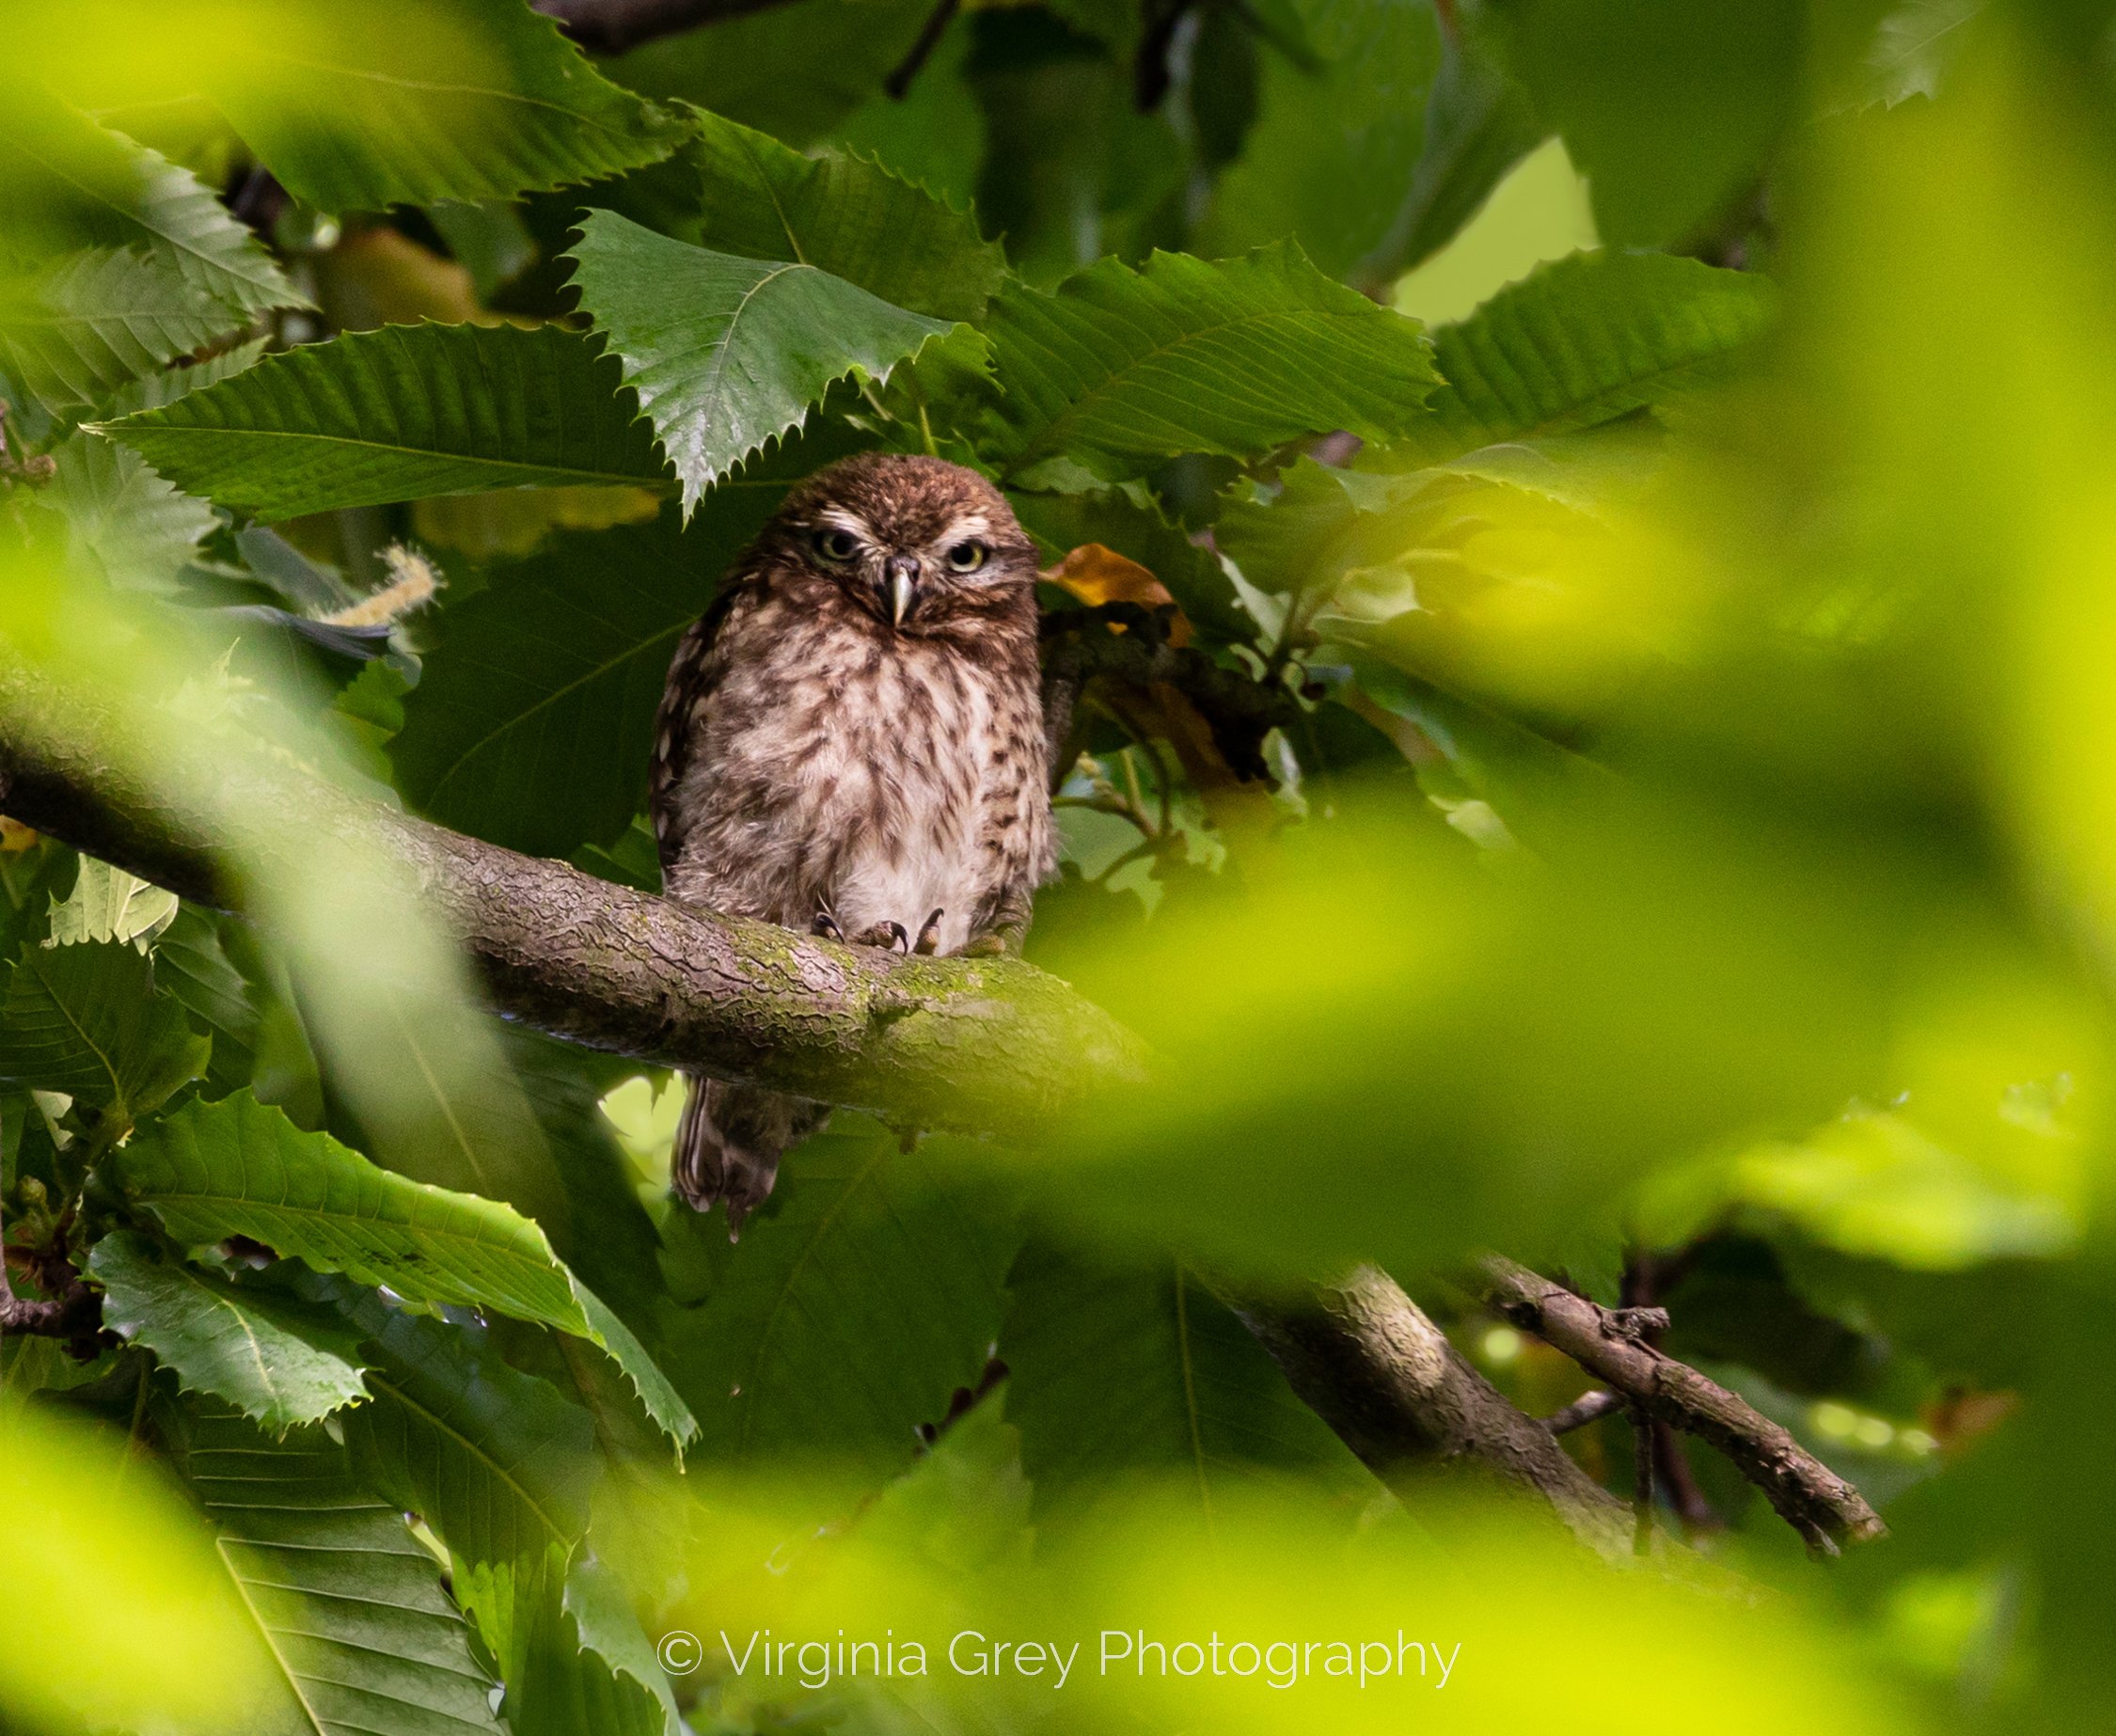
(729, 1143)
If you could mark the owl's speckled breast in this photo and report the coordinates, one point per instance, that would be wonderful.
(836, 765)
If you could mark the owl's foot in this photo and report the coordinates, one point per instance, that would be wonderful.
(888, 936)
(825, 926)
(929, 941)
(991, 945)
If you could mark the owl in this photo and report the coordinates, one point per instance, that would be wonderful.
(851, 744)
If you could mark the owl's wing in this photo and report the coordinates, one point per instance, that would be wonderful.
(693, 673)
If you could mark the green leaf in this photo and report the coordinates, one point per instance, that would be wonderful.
(1670, 110)
(1121, 369)
(74, 184)
(151, 391)
(795, 70)
(123, 522)
(591, 1667)
(1583, 341)
(399, 414)
(193, 966)
(32, 879)
(851, 1310)
(349, 1603)
(496, 1462)
(239, 1168)
(1336, 143)
(279, 1361)
(728, 353)
(108, 904)
(410, 101)
(86, 1020)
(845, 215)
(533, 721)
(1119, 1374)
(1479, 125)
(73, 331)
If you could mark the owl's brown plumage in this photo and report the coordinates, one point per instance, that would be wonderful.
(851, 741)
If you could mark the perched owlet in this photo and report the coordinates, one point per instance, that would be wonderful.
(851, 744)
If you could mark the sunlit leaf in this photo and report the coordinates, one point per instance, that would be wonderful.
(239, 1168)
(74, 184)
(404, 101)
(726, 353)
(108, 904)
(173, 1644)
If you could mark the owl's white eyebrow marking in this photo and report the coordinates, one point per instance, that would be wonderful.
(839, 519)
(969, 525)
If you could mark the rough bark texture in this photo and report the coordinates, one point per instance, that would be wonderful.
(1807, 1494)
(1371, 1365)
(987, 1046)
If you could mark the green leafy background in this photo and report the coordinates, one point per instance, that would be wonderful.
(1644, 464)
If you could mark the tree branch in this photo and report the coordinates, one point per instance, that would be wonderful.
(611, 26)
(1611, 1344)
(988, 1046)
(1367, 1359)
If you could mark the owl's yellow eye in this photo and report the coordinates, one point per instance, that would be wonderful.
(835, 543)
(967, 557)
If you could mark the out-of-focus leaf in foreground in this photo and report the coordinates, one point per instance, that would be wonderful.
(135, 1567)
(402, 101)
(1268, 1621)
(1391, 1050)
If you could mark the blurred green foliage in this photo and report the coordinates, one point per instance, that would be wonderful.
(1650, 466)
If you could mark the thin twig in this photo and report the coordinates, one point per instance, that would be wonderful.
(935, 27)
(1588, 1408)
(1612, 1345)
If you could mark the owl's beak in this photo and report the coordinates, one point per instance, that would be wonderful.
(900, 581)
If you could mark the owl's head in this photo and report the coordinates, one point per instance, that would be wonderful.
(910, 539)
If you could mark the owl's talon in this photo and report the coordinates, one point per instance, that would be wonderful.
(929, 936)
(826, 925)
(888, 936)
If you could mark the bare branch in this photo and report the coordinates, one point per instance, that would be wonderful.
(1367, 1359)
(1612, 1345)
(1588, 1408)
